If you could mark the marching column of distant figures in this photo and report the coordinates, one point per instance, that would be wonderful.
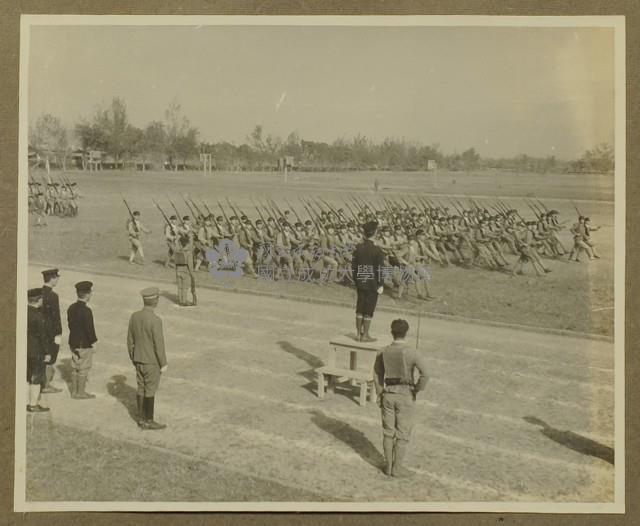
(414, 234)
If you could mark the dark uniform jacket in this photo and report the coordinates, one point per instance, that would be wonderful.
(369, 258)
(51, 311)
(394, 368)
(145, 340)
(37, 342)
(82, 334)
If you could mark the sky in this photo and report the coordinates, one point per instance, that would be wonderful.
(502, 90)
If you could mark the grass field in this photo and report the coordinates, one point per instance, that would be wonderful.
(576, 297)
(508, 415)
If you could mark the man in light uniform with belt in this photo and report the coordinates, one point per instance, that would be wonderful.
(394, 382)
(145, 343)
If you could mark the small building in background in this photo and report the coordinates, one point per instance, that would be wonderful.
(287, 162)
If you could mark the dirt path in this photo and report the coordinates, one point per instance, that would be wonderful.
(507, 415)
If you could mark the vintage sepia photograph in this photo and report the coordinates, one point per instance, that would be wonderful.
(321, 264)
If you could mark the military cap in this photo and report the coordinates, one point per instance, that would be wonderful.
(370, 228)
(553, 212)
(233, 217)
(308, 222)
(244, 217)
(298, 224)
(419, 232)
(136, 213)
(259, 222)
(34, 294)
(173, 217)
(219, 218)
(50, 273)
(186, 218)
(83, 286)
(150, 293)
(587, 219)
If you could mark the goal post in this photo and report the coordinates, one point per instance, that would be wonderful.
(205, 160)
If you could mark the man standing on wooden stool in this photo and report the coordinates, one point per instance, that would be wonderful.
(365, 266)
(393, 379)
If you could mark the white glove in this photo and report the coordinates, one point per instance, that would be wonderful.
(380, 289)
(164, 369)
(57, 339)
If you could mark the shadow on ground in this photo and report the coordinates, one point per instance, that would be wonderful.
(351, 436)
(65, 370)
(125, 394)
(573, 441)
(172, 297)
(352, 392)
(310, 359)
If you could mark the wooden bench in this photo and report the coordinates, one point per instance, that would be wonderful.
(333, 375)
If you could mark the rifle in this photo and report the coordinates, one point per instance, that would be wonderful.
(224, 214)
(193, 214)
(543, 205)
(176, 211)
(133, 219)
(535, 211)
(259, 213)
(212, 215)
(172, 227)
(294, 212)
(206, 207)
(275, 213)
(198, 211)
(238, 216)
(578, 211)
(316, 223)
(332, 209)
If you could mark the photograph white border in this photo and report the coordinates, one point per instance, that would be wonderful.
(617, 23)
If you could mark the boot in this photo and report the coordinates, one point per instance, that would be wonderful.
(365, 327)
(399, 451)
(74, 384)
(387, 446)
(141, 416)
(149, 403)
(48, 388)
(358, 328)
(81, 394)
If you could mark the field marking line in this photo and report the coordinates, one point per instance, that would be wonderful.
(491, 370)
(478, 444)
(289, 445)
(340, 303)
(438, 381)
(200, 459)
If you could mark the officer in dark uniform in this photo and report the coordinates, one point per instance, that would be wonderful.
(51, 312)
(82, 337)
(394, 382)
(365, 267)
(37, 348)
(145, 343)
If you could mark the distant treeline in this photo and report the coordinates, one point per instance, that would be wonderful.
(174, 142)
